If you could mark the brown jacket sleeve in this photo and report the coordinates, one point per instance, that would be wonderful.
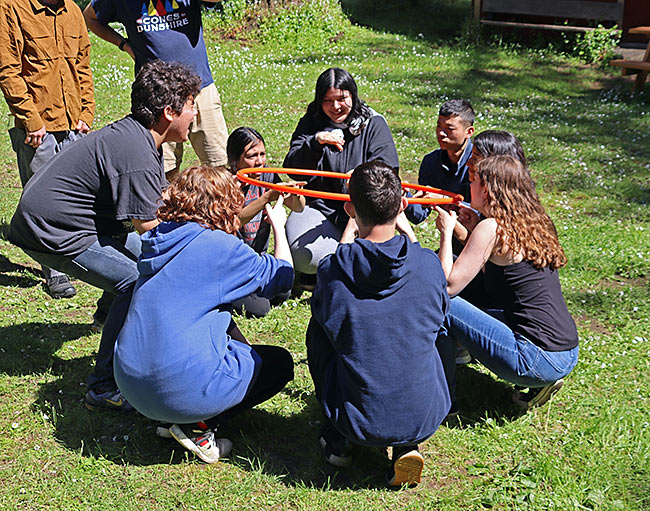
(12, 83)
(86, 80)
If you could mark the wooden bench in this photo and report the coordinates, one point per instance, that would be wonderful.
(550, 9)
(639, 67)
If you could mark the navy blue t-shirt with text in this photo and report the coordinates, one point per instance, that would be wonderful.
(168, 30)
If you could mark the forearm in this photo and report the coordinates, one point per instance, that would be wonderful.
(404, 227)
(142, 226)
(250, 210)
(295, 202)
(350, 232)
(446, 253)
(304, 153)
(281, 248)
(101, 30)
(461, 233)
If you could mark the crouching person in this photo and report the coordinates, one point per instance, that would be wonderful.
(371, 343)
(191, 366)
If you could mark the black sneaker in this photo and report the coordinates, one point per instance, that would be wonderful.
(302, 282)
(537, 396)
(109, 399)
(59, 286)
(406, 468)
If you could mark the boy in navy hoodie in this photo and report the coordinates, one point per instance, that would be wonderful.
(371, 343)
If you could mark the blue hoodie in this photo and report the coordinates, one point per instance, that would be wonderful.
(174, 361)
(371, 342)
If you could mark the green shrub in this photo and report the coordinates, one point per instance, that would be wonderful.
(593, 47)
(309, 25)
(302, 25)
(598, 45)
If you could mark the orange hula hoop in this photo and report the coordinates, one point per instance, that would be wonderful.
(242, 175)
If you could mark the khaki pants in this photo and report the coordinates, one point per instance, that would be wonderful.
(208, 133)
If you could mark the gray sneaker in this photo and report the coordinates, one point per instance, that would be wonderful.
(537, 396)
(59, 286)
(108, 399)
(200, 442)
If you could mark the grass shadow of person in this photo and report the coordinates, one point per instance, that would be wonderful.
(286, 447)
(27, 276)
(482, 396)
(28, 348)
(124, 438)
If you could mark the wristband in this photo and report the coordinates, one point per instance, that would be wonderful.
(121, 46)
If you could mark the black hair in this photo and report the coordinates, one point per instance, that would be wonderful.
(161, 84)
(459, 108)
(375, 192)
(336, 78)
(499, 142)
(238, 140)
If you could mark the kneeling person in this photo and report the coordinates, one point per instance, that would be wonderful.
(72, 212)
(371, 343)
(193, 368)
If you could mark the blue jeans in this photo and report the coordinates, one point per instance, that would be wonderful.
(109, 264)
(30, 160)
(508, 355)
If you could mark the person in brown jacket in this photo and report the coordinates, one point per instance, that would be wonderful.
(46, 80)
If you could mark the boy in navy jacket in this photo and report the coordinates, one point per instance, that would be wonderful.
(371, 343)
(446, 168)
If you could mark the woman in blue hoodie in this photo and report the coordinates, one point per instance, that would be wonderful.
(192, 365)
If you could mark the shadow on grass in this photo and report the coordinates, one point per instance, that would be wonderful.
(25, 280)
(412, 17)
(482, 396)
(285, 447)
(28, 348)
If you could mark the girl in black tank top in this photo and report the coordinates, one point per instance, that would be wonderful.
(528, 336)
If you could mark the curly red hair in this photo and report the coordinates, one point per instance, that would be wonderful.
(523, 227)
(204, 195)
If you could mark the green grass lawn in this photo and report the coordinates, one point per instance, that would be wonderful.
(588, 141)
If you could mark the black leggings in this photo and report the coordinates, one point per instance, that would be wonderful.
(275, 372)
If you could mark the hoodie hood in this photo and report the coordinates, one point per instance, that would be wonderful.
(161, 244)
(374, 269)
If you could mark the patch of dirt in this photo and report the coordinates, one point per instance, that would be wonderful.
(494, 73)
(622, 282)
(595, 326)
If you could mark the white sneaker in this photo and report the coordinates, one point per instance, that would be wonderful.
(201, 443)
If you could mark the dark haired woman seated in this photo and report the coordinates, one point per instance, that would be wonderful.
(191, 364)
(528, 336)
(246, 149)
(338, 133)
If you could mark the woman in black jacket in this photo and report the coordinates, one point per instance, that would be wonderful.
(337, 133)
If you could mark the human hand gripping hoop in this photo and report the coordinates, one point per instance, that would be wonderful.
(242, 175)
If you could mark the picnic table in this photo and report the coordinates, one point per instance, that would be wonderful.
(641, 67)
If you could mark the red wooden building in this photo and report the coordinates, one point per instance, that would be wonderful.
(571, 15)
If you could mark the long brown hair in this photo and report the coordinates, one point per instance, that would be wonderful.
(205, 195)
(523, 227)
